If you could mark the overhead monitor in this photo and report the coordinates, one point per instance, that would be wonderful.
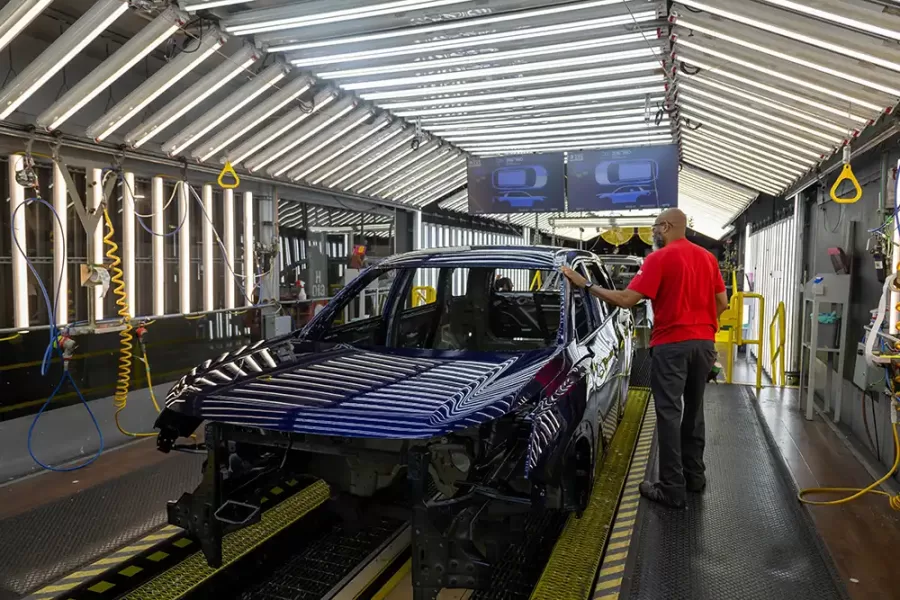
(623, 178)
(514, 184)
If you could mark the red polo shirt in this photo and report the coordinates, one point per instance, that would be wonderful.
(682, 280)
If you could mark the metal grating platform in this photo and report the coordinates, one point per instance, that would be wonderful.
(48, 542)
(746, 537)
(322, 563)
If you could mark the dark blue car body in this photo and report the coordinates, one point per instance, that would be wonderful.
(567, 395)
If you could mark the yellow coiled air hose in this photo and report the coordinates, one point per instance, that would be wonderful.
(855, 493)
(125, 355)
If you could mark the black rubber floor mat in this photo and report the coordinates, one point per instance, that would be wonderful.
(48, 542)
(746, 537)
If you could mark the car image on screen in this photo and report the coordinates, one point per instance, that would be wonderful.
(627, 194)
(519, 199)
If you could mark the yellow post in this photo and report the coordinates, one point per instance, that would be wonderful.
(778, 349)
(423, 294)
(760, 335)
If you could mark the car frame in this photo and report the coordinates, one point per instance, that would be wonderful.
(529, 428)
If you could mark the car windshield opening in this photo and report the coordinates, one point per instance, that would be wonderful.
(477, 309)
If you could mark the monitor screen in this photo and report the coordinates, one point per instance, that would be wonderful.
(512, 184)
(623, 178)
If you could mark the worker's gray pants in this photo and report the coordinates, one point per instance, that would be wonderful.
(680, 371)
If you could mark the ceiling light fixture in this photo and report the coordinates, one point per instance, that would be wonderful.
(239, 127)
(16, 15)
(206, 86)
(136, 48)
(218, 114)
(152, 88)
(72, 41)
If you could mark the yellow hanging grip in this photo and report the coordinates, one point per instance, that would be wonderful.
(228, 170)
(846, 174)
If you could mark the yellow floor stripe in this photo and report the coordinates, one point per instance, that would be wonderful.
(62, 587)
(572, 568)
(393, 582)
(193, 571)
(608, 585)
(83, 574)
(612, 569)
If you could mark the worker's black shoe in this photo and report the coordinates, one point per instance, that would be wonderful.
(696, 485)
(655, 493)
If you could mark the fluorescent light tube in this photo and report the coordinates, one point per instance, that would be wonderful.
(733, 117)
(776, 74)
(538, 113)
(152, 88)
(517, 69)
(207, 235)
(60, 235)
(430, 48)
(194, 6)
(157, 224)
(20, 234)
(444, 92)
(792, 34)
(219, 113)
(531, 102)
(443, 26)
(293, 17)
(16, 15)
(249, 275)
(817, 12)
(128, 241)
(72, 41)
(282, 125)
(240, 126)
(376, 168)
(750, 98)
(137, 47)
(495, 57)
(323, 140)
(377, 143)
(892, 91)
(551, 129)
(564, 89)
(295, 176)
(228, 236)
(301, 134)
(206, 86)
(388, 153)
(637, 130)
(778, 105)
(628, 115)
(439, 172)
(420, 174)
(604, 222)
(729, 128)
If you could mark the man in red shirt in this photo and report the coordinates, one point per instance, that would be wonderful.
(684, 283)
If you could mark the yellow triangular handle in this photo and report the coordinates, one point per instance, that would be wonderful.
(846, 173)
(228, 170)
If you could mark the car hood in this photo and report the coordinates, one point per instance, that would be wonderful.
(312, 388)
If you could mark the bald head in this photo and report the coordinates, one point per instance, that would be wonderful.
(670, 225)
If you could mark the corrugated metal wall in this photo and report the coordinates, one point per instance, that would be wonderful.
(772, 268)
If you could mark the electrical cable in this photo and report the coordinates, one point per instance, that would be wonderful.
(54, 335)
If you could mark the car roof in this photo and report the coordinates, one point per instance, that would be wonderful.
(521, 257)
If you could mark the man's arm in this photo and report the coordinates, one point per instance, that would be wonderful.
(620, 298)
(721, 303)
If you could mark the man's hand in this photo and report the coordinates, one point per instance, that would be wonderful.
(576, 279)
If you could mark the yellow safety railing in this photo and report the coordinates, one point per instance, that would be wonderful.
(423, 294)
(760, 339)
(536, 282)
(777, 350)
(731, 330)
